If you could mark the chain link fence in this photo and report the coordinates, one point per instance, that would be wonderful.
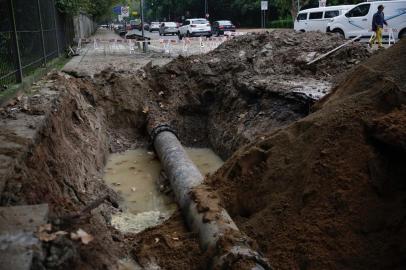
(32, 32)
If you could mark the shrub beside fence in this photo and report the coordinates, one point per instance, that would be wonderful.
(32, 32)
(287, 23)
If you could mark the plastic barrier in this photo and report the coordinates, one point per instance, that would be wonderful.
(186, 46)
(386, 31)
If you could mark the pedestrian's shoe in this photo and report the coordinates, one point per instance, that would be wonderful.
(370, 45)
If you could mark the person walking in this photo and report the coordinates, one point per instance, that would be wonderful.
(377, 26)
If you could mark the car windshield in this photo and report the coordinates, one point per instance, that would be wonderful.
(170, 24)
(199, 22)
(155, 23)
(301, 16)
(225, 23)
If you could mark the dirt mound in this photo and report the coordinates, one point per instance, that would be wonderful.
(329, 191)
(253, 84)
(286, 52)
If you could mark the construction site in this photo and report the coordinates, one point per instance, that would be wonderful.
(263, 152)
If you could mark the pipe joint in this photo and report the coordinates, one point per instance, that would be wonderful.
(161, 128)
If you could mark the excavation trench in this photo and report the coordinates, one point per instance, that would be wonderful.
(95, 142)
(72, 143)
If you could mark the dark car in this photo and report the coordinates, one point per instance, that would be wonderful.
(120, 29)
(219, 27)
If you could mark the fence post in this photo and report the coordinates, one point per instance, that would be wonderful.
(19, 71)
(56, 28)
(42, 33)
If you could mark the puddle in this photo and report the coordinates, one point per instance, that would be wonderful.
(135, 176)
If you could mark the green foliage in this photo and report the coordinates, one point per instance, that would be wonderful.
(96, 8)
(241, 12)
(288, 23)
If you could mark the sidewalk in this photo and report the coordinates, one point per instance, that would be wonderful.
(93, 59)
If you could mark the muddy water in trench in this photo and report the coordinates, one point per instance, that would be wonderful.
(135, 175)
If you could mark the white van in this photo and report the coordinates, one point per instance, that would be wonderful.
(358, 20)
(316, 19)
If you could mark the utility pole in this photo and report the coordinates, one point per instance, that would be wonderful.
(206, 8)
(144, 45)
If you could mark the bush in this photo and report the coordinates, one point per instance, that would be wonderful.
(287, 23)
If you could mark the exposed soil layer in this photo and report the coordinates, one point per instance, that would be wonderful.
(254, 84)
(329, 191)
(293, 189)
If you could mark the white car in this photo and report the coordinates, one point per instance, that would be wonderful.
(168, 28)
(154, 26)
(316, 19)
(195, 27)
(358, 20)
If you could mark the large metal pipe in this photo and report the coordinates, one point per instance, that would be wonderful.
(220, 235)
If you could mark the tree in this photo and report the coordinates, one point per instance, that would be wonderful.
(96, 8)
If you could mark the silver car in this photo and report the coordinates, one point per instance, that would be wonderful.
(168, 28)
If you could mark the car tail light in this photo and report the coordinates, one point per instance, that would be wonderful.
(208, 24)
(221, 27)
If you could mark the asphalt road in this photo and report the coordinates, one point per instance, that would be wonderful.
(154, 35)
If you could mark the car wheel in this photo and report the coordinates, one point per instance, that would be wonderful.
(188, 34)
(180, 36)
(339, 31)
(402, 34)
(217, 34)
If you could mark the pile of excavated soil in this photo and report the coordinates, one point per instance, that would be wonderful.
(253, 84)
(329, 190)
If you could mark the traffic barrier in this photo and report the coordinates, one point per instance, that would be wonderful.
(389, 32)
(186, 46)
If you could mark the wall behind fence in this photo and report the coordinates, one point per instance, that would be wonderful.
(84, 26)
(32, 32)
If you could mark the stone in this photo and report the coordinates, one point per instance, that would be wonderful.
(18, 243)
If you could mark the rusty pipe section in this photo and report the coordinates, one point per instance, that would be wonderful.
(219, 236)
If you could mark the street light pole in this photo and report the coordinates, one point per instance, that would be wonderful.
(206, 8)
(144, 47)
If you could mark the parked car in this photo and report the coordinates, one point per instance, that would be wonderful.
(168, 28)
(358, 20)
(195, 27)
(316, 19)
(154, 26)
(120, 29)
(219, 27)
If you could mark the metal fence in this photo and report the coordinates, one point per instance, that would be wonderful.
(32, 32)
